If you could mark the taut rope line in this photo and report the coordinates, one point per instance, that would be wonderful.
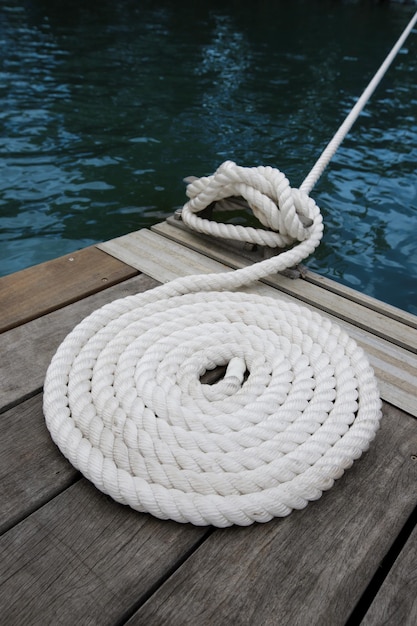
(124, 400)
(343, 130)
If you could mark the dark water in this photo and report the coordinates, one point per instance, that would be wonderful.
(106, 106)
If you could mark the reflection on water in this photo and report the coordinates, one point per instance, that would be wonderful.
(106, 106)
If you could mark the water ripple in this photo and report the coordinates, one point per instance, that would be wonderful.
(103, 112)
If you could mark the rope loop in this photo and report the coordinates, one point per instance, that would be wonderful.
(126, 401)
(298, 404)
(288, 214)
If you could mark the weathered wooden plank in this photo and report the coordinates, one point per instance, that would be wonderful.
(159, 258)
(165, 259)
(27, 350)
(378, 322)
(46, 287)
(395, 367)
(393, 394)
(396, 602)
(32, 469)
(309, 568)
(83, 559)
(257, 254)
(356, 296)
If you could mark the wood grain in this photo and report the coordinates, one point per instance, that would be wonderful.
(83, 559)
(166, 259)
(27, 350)
(361, 298)
(396, 602)
(257, 253)
(48, 286)
(158, 257)
(309, 568)
(382, 321)
(71, 555)
(32, 469)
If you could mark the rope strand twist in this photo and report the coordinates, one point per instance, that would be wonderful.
(124, 398)
(278, 207)
(125, 401)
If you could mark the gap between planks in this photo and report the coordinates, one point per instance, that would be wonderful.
(85, 531)
(83, 558)
(165, 259)
(38, 290)
(371, 314)
(36, 341)
(396, 601)
(309, 568)
(203, 242)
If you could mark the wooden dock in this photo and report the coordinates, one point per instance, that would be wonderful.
(71, 555)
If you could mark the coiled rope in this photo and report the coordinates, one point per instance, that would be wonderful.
(298, 403)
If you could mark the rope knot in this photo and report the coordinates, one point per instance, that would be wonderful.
(288, 215)
(128, 397)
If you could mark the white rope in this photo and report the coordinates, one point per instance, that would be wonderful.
(278, 207)
(298, 404)
(124, 400)
(343, 130)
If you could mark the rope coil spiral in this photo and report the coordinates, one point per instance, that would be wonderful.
(298, 403)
